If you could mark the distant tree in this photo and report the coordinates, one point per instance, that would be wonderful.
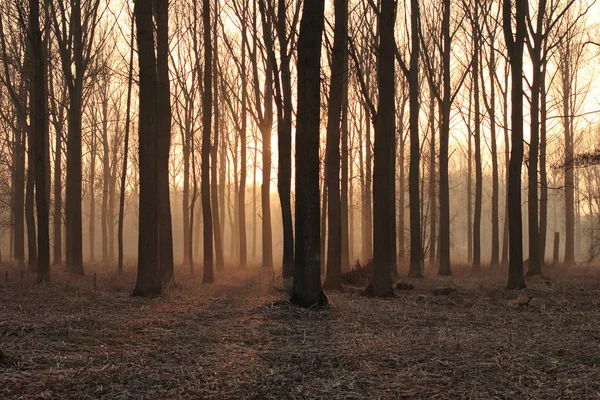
(334, 128)
(307, 291)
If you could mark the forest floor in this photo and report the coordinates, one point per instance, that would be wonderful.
(240, 339)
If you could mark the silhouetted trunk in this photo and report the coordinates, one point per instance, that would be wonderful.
(384, 180)
(432, 181)
(243, 150)
(506, 165)
(29, 203)
(208, 274)
(515, 52)
(416, 248)
(163, 142)
(284, 143)
(535, 261)
(57, 205)
(92, 190)
(491, 109)
(543, 174)
(19, 193)
(105, 170)
(401, 186)
(74, 224)
(444, 196)
(332, 156)
(215, 209)
(569, 175)
(125, 154)
(39, 128)
(148, 274)
(307, 290)
(478, 167)
(345, 183)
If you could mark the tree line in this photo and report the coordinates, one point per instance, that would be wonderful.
(390, 122)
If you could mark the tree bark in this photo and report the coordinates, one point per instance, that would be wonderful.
(332, 160)
(148, 274)
(163, 139)
(39, 129)
(307, 290)
(384, 180)
(515, 52)
(208, 273)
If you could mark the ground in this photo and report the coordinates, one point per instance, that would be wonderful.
(240, 339)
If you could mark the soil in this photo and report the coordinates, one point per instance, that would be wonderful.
(241, 339)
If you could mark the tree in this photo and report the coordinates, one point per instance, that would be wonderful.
(208, 274)
(514, 45)
(148, 277)
(39, 129)
(307, 291)
(334, 127)
(384, 180)
(125, 154)
(163, 142)
(74, 35)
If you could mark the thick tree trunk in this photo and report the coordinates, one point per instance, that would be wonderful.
(384, 180)
(307, 290)
(148, 274)
(74, 223)
(515, 50)
(165, 245)
(284, 143)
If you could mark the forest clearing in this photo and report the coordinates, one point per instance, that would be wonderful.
(242, 339)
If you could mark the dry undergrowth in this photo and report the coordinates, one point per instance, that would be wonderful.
(240, 339)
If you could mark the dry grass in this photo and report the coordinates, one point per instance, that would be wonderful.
(238, 339)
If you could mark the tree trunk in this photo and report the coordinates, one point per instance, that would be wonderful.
(543, 175)
(478, 167)
(416, 249)
(39, 129)
(208, 274)
(444, 238)
(515, 51)
(163, 139)
(125, 154)
(92, 190)
(74, 224)
(284, 143)
(29, 203)
(332, 156)
(307, 290)
(148, 275)
(384, 180)
(243, 157)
